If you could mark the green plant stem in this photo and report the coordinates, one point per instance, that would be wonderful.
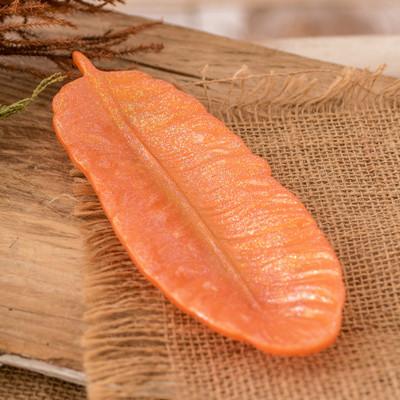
(8, 110)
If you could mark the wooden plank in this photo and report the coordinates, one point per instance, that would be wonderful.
(43, 368)
(364, 51)
(40, 245)
(41, 251)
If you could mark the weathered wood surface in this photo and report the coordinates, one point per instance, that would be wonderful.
(41, 251)
(363, 51)
(43, 368)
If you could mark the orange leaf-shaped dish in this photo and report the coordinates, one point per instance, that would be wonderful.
(199, 214)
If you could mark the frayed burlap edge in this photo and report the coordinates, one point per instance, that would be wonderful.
(260, 96)
(120, 304)
(122, 358)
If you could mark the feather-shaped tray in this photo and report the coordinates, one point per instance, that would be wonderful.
(42, 253)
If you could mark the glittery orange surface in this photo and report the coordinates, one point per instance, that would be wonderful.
(199, 214)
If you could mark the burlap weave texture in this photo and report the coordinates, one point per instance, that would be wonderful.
(18, 384)
(340, 153)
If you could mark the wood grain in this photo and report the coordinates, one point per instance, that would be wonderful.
(41, 251)
(43, 368)
(40, 245)
(363, 51)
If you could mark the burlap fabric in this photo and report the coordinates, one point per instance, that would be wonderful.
(340, 153)
(17, 384)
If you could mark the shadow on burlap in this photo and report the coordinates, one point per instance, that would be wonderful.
(340, 153)
(18, 384)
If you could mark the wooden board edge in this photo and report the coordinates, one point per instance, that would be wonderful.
(41, 367)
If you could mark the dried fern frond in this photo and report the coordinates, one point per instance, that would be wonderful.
(25, 32)
(22, 24)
